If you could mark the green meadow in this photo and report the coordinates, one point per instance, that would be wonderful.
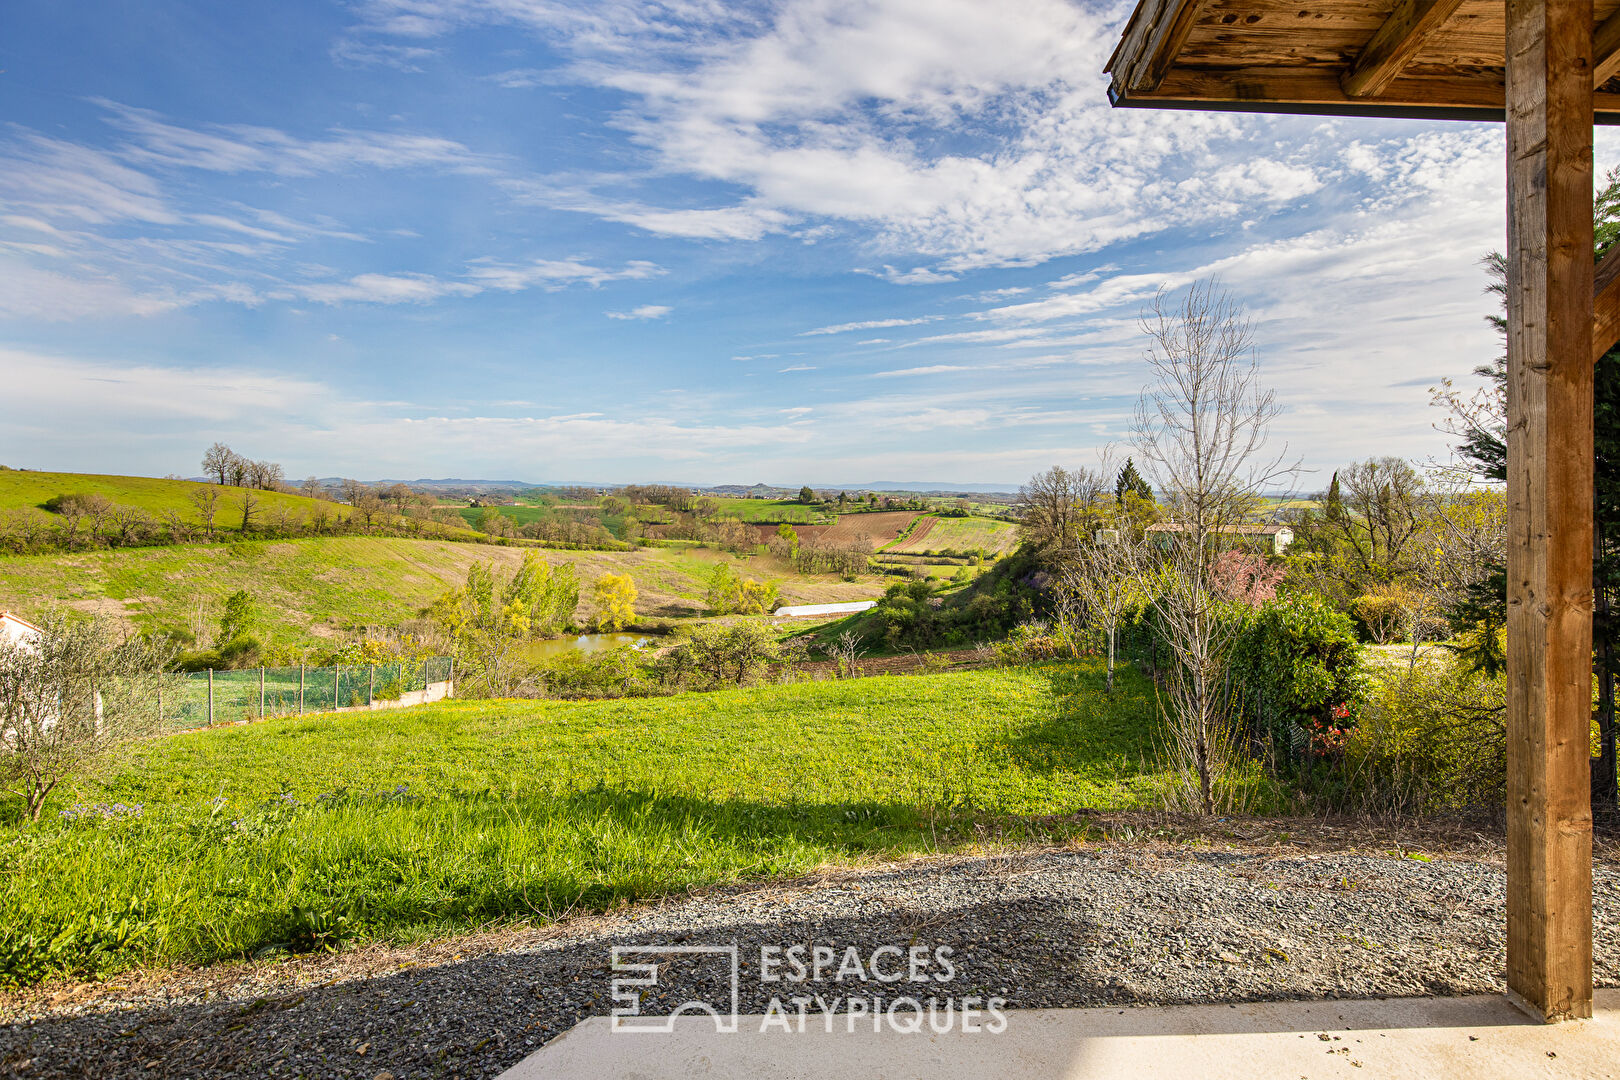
(310, 833)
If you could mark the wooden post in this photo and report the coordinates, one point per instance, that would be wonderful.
(261, 691)
(337, 675)
(210, 697)
(371, 683)
(450, 691)
(300, 689)
(1550, 380)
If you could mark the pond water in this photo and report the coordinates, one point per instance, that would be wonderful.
(589, 643)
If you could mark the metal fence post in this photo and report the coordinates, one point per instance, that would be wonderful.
(371, 684)
(210, 697)
(337, 674)
(261, 691)
(450, 691)
(300, 689)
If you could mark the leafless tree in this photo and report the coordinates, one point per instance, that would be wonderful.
(310, 488)
(130, 525)
(206, 500)
(1200, 435)
(71, 698)
(1105, 579)
(845, 652)
(218, 462)
(1052, 505)
(180, 530)
(248, 502)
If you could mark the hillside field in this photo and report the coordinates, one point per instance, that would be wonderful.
(305, 833)
(959, 534)
(19, 490)
(316, 588)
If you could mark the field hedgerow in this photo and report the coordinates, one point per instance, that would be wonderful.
(302, 834)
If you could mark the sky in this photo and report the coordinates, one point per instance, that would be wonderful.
(698, 241)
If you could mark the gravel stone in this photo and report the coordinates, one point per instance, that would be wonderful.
(1126, 925)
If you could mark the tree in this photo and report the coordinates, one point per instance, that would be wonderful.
(249, 502)
(1130, 482)
(717, 653)
(1052, 505)
(789, 535)
(217, 462)
(615, 596)
(1201, 428)
(1106, 579)
(310, 487)
(1384, 506)
(806, 495)
(725, 590)
(238, 616)
(206, 500)
(491, 616)
(71, 699)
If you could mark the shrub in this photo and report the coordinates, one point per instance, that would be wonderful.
(1298, 662)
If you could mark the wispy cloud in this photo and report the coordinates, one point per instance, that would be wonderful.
(645, 311)
(870, 324)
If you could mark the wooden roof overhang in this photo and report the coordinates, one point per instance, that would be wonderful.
(1424, 59)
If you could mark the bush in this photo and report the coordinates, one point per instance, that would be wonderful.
(1433, 737)
(1298, 662)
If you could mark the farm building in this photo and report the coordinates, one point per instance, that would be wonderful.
(1271, 539)
(16, 630)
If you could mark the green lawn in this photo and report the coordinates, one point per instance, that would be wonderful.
(19, 489)
(961, 534)
(302, 833)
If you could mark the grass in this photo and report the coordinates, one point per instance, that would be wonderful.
(19, 489)
(305, 833)
(313, 589)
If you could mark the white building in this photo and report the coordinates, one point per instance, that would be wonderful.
(17, 630)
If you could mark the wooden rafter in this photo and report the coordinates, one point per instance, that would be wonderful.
(1156, 36)
(1606, 304)
(1606, 50)
(1405, 32)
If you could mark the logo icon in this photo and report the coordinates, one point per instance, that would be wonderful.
(644, 962)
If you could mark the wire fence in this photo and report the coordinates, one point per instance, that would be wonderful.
(205, 698)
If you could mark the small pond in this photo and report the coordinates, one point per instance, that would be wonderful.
(589, 643)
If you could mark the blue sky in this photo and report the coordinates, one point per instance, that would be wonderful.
(688, 240)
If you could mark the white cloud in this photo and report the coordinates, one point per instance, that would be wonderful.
(870, 324)
(917, 275)
(931, 369)
(384, 289)
(553, 274)
(645, 311)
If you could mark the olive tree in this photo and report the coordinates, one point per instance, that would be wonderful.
(71, 698)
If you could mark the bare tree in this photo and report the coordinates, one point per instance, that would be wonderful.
(1052, 505)
(217, 462)
(71, 698)
(206, 500)
(130, 525)
(845, 652)
(310, 488)
(1105, 579)
(249, 503)
(180, 530)
(1200, 433)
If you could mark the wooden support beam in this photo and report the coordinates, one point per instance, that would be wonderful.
(1606, 304)
(1405, 32)
(1549, 550)
(1153, 39)
(1606, 50)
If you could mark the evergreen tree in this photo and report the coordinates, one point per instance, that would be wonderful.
(807, 496)
(1335, 503)
(1130, 482)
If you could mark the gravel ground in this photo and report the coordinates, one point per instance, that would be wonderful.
(1118, 924)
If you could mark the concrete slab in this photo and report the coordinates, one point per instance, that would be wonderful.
(1420, 1038)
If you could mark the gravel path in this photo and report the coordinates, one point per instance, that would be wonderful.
(1114, 925)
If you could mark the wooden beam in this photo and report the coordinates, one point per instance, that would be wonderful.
(1403, 34)
(1153, 39)
(1316, 91)
(1549, 549)
(1606, 50)
(1606, 304)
